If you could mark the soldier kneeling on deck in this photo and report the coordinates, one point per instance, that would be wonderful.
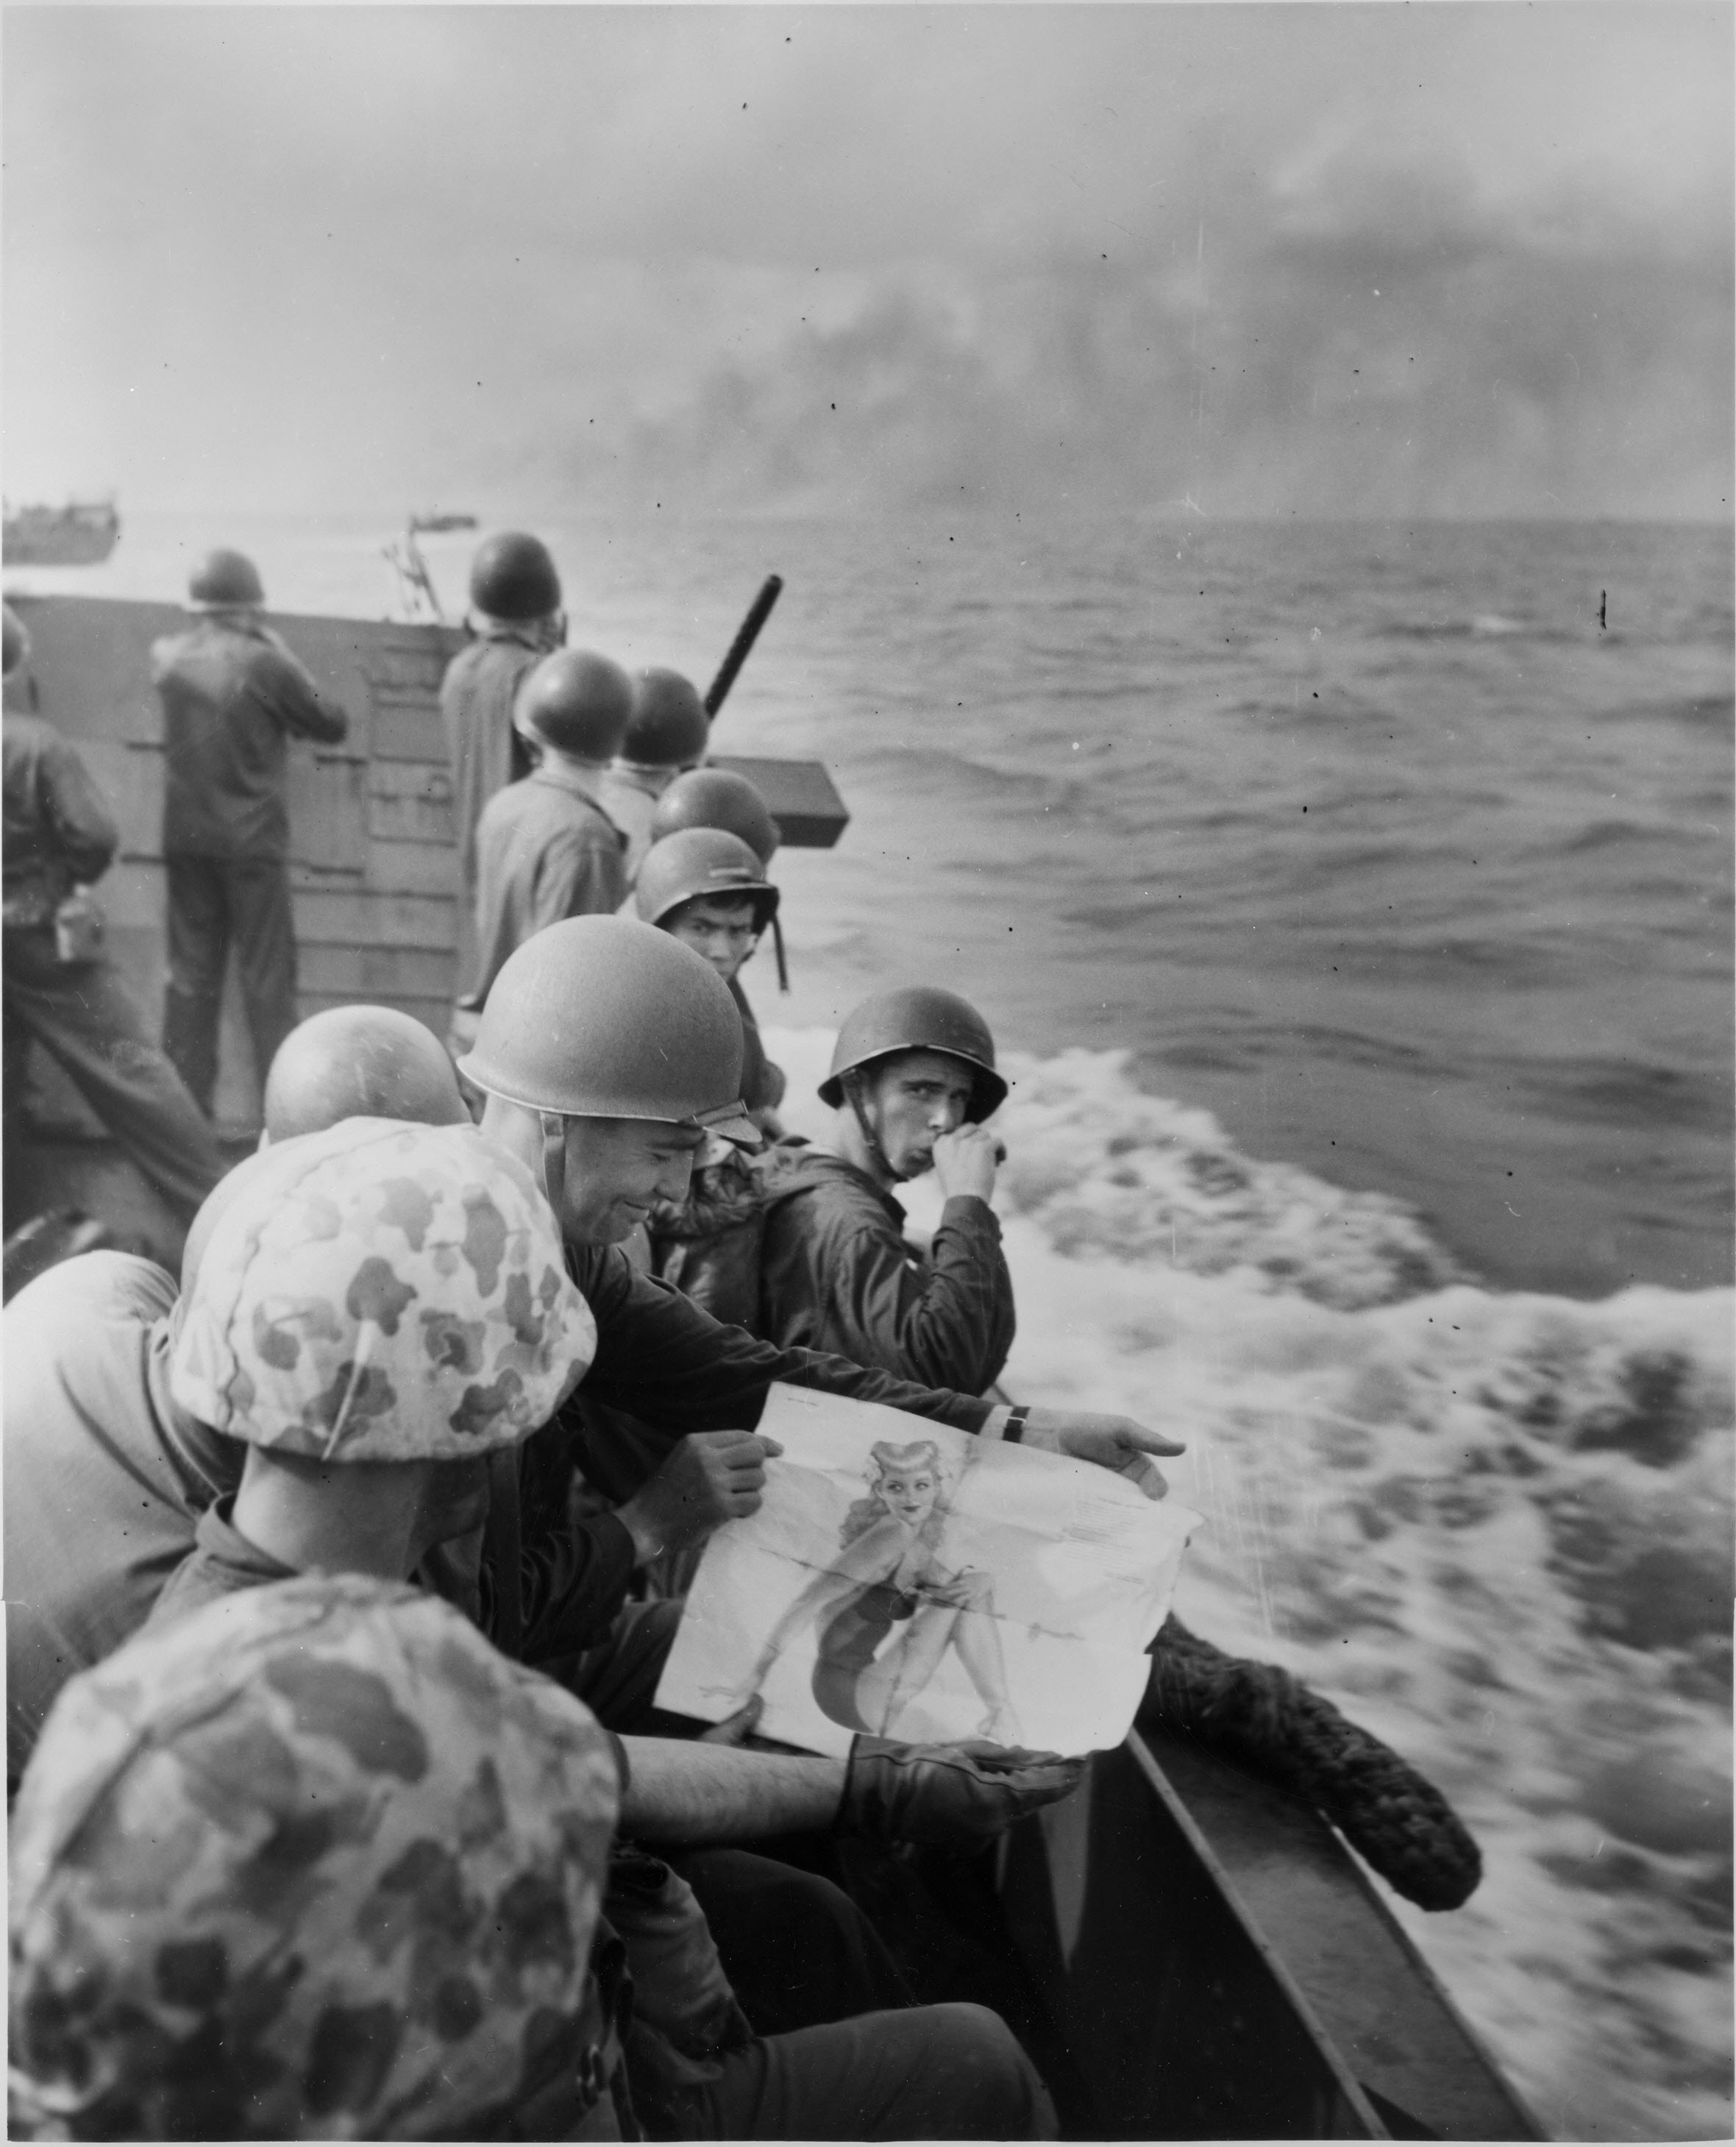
(61, 988)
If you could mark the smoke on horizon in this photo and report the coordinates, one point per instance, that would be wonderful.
(1321, 261)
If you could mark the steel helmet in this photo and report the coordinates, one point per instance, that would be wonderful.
(225, 581)
(700, 861)
(717, 798)
(668, 727)
(360, 1062)
(381, 1292)
(918, 1018)
(16, 648)
(605, 1018)
(314, 1861)
(576, 702)
(512, 576)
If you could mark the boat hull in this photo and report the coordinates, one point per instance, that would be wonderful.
(60, 536)
(374, 865)
(1220, 1967)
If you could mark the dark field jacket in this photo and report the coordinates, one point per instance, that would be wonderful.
(837, 1274)
(232, 697)
(58, 828)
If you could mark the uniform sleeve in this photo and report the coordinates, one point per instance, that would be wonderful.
(665, 1361)
(78, 818)
(285, 687)
(948, 1322)
(573, 1582)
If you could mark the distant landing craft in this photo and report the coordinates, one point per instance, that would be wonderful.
(423, 524)
(81, 533)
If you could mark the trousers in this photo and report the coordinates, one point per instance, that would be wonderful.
(798, 1951)
(934, 2072)
(83, 1016)
(214, 904)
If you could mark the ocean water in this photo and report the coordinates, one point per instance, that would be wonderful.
(1353, 905)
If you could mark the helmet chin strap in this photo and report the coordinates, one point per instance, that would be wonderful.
(554, 1159)
(852, 1085)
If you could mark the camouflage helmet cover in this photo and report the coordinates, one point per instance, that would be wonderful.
(381, 1292)
(313, 1862)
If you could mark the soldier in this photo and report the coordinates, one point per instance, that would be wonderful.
(913, 1078)
(607, 1052)
(382, 1311)
(318, 1864)
(516, 616)
(232, 697)
(707, 889)
(667, 732)
(69, 997)
(718, 798)
(546, 847)
(107, 1473)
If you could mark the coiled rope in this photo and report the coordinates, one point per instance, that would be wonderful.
(1264, 1719)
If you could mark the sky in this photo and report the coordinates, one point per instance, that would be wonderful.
(1465, 259)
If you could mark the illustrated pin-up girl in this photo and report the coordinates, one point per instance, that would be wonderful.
(893, 1603)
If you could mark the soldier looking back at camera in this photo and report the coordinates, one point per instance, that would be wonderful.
(912, 1077)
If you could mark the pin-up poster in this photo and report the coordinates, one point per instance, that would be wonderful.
(913, 1581)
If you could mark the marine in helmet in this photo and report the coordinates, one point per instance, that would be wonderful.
(332, 1756)
(707, 889)
(359, 1061)
(232, 697)
(718, 798)
(515, 618)
(381, 1317)
(378, 1292)
(60, 987)
(107, 1474)
(913, 1081)
(546, 847)
(666, 733)
(608, 1052)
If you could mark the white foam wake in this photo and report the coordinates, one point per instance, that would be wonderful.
(1494, 1527)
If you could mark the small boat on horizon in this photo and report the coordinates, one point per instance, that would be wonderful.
(433, 523)
(81, 533)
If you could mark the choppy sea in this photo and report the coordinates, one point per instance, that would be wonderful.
(1353, 903)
